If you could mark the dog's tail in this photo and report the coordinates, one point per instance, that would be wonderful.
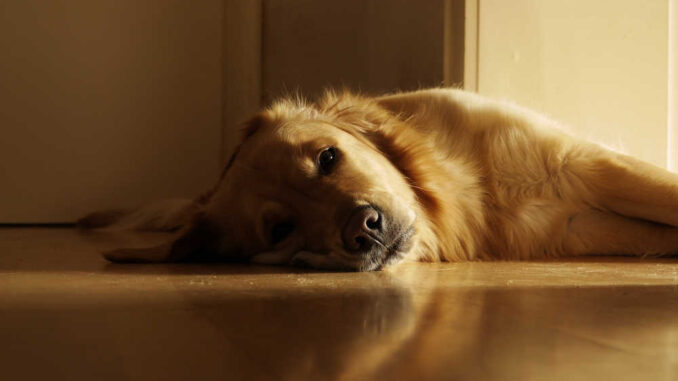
(160, 215)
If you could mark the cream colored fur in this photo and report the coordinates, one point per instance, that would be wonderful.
(476, 178)
(532, 191)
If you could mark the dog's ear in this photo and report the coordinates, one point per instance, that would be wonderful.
(362, 113)
(200, 241)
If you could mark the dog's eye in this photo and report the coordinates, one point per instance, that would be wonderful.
(280, 231)
(327, 159)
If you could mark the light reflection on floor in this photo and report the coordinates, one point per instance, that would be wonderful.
(66, 313)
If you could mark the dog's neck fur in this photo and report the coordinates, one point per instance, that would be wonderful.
(450, 212)
(449, 217)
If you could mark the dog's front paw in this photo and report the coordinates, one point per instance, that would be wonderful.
(305, 259)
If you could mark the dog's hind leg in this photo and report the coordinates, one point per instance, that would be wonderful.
(160, 253)
(629, 187)
(606, 233)
(159, 215)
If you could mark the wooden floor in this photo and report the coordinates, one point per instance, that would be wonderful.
(65, 313)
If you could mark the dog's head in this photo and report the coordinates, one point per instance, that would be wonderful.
(333, 185)
(313, 185)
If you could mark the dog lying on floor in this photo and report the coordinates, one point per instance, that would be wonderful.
(358, 183)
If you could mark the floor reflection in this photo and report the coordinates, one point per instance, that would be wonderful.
(66, 313)
(411, 329)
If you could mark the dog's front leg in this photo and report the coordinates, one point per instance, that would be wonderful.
(318, 261)
(281, 257)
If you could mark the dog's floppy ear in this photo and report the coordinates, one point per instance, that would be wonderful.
(199, 241)
(362, 113)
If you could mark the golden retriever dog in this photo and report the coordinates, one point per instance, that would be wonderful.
(362, 183)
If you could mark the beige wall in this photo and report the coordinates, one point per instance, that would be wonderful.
(111, 104)
(241, 86)
(600, 66)
(106, 103)
(115, 103)
(374, 46)
(672, 133)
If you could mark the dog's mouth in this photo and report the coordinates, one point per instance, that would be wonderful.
(375, 260)
(390, 254)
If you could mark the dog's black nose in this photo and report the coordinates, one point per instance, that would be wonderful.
(363, 229)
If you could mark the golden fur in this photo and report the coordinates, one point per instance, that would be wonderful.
(474, 178)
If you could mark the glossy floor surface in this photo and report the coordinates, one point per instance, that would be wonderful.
(65, 313)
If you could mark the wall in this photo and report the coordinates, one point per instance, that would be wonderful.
(599, 66)
(368, 45)
(106, 104)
